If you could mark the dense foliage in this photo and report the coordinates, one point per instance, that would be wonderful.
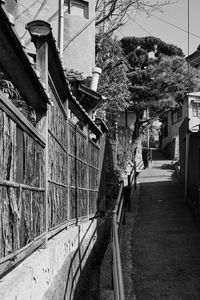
(139, 74)
(114, 83)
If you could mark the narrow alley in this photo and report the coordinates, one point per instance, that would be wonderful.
(164, 244)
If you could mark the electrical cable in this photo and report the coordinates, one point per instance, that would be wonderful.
(177, 27)
(143, 28)
(79, 32)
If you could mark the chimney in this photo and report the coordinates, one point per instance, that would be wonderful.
(95, 79)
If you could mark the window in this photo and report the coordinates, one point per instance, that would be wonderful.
(77, 8)
(177, 115)
(195, 109)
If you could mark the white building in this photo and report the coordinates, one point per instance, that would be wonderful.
(170, 129)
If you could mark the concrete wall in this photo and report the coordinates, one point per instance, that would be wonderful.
(173, 132)
(80, 53)
(79, 33)
(64, 258)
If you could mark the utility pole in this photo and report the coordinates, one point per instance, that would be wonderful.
(188, 27)
(116, 142)
(188, 37)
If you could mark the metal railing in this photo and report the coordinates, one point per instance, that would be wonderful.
(149, 155)
(117, 221)
(132, 183)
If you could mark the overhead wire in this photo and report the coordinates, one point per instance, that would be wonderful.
(142, 27)
(177, 27)
(132, 20)
(165, 21)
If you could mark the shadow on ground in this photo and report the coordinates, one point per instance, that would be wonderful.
(165, 244)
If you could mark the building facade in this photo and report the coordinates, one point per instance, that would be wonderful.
(51, 166)
(175, 117)
(77, 29)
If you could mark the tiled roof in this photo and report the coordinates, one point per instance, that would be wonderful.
(73, 75)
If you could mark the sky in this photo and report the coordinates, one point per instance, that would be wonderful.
(176, 14)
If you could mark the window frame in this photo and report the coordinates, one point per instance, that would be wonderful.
(79, 4)
(195, 109)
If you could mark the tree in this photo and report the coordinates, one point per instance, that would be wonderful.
(111, 14)
(159, 77)
(144, 56)
(113, 83)
(171, 80)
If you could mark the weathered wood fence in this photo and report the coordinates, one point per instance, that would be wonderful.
(46, 183)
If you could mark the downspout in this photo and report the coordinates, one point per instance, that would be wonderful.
(61, 27)
(39, 31)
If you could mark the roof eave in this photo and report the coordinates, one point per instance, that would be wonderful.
(15, 63)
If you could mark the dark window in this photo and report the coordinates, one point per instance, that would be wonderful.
(77, 8)
(177, 115)
(196, 109)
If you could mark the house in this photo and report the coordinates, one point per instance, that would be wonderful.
(189, 164)
(175, 117)
(73, 26)
(51, 167)
(194, 58)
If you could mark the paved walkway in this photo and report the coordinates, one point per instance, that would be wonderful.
(161, 255)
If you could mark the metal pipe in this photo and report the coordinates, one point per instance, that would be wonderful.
(117, 256)
(95, 78)
(61, 27)
(117, 268)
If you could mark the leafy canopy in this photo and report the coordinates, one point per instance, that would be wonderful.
(158, 73)
(113, 83)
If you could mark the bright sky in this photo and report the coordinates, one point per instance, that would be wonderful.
(176, 14)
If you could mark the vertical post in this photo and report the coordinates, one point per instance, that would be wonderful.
(116, 142)
(148, 139)
(187, 164)
(129, 192)
(88, 185)
(68, 160)
(41, 43)
(135, 175)
(147, 129)
(61, 26)
(76, 177)
(188, 27)
(42, 122)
